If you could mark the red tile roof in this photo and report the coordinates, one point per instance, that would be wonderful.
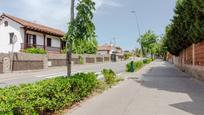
(35, 26)
(105, 48)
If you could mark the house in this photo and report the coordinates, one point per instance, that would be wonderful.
(28, 34)
(111, 50)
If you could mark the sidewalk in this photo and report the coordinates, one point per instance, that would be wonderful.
(158, 89)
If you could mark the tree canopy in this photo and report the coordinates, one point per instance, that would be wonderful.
(148, 41)
(81, 31)
(187, 26)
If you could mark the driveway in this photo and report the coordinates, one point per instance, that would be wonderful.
(158, 89)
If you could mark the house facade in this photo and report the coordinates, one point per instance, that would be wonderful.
(28, 34)
(111, 50)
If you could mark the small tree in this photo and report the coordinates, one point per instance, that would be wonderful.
(81, 29)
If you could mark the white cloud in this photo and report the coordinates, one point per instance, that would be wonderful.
(54, 13)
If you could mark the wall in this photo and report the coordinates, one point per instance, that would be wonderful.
(4, 35)
(24, 61)
(60, 59)
(190, 60)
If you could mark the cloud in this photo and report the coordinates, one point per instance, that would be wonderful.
(100, 3)
(54, 13)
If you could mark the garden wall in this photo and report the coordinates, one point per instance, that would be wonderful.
(25, 61)
(190, 60)
(60, 59)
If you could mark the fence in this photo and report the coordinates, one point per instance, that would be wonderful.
(191, 60)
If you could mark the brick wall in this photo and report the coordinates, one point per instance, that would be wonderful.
(191, 60)
(199, 54)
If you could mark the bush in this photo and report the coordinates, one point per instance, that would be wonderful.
(139, 64)
(148, 60)
(35, 51)
(110, 76)
(47, 95)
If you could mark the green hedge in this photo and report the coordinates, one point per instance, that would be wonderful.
(138, 64)
(47, 95)
(35, 51)
(148, 60)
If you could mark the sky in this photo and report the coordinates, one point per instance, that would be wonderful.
(113, 18)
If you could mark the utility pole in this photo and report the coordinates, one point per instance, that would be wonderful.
(138, 28)
(69, 44)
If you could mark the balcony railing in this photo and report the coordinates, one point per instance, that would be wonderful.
(49, 49)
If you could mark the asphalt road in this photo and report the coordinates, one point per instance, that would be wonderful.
(23, 77)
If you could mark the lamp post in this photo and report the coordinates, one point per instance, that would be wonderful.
(138, 28)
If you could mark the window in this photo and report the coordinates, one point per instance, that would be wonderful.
(31, 39)
(11, 35)
(6, 23)
(49, 42)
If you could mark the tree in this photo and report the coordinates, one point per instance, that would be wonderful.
(148, 42)
(187, 26)
(81, 29)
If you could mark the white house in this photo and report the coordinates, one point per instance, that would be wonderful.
(28, 34)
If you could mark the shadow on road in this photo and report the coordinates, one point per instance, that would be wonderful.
(167, 77)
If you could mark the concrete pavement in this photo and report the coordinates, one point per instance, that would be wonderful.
(158, 89)
(20, 77)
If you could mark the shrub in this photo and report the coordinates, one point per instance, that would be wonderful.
(137, 65)
(47, 95)
(148, 60)
(110, 76)
(35, 51)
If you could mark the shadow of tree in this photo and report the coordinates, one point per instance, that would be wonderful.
(167, 77)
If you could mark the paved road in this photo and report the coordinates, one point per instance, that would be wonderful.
(159, 89)
(32, 76)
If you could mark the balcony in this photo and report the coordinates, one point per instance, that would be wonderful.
(48, 49)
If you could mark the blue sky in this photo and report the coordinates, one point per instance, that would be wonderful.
(112, 17)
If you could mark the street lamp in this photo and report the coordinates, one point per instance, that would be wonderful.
(138, 28)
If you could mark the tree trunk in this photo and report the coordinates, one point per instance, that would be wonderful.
(69, 51)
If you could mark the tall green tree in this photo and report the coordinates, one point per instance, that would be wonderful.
(148, 42)
(81, 30)
(187, 26)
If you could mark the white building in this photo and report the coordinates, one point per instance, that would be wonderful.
(28, 35)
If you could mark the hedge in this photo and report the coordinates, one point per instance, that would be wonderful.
(35, 51)
(139, 64)
(47, 95)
